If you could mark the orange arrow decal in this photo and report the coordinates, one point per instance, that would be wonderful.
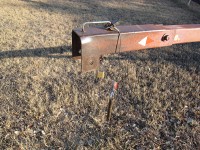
(146, 41)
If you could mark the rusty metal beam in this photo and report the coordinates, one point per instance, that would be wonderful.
(93, 42)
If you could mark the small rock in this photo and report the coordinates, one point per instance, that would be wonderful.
(189, 120)
(90, 142)
(168, 142)
(81, 142)
(17, 132)
(43, 132)
(7, 135)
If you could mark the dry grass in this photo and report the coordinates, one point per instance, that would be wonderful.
(45, 103)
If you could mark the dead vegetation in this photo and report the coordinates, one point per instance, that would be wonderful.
(45, 103)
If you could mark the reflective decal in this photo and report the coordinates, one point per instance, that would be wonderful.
(176, 38)
(145, 41)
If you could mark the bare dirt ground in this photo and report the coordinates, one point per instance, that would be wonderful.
(45, 103)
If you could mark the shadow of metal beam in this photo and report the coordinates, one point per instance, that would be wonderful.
(50, 52)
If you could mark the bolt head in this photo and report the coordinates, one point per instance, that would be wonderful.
(165, 38)
(91, 62)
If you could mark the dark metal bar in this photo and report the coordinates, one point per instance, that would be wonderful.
(97, 41)
(109, 111)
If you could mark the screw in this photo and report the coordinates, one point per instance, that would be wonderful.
(91, 62)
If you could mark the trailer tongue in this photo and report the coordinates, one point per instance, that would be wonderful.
(89, 44)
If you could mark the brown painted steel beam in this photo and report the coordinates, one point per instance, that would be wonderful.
(93, 42)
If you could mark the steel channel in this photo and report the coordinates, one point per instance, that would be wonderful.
(96, 41)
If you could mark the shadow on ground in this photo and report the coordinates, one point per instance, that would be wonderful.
(151, 12)
(50, 52)
(186, 56)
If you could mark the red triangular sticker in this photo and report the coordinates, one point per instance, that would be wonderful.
(149, 40)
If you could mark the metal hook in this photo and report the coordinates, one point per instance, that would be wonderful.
(95, 22)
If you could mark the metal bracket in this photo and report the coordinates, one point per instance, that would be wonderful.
(95, 22)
